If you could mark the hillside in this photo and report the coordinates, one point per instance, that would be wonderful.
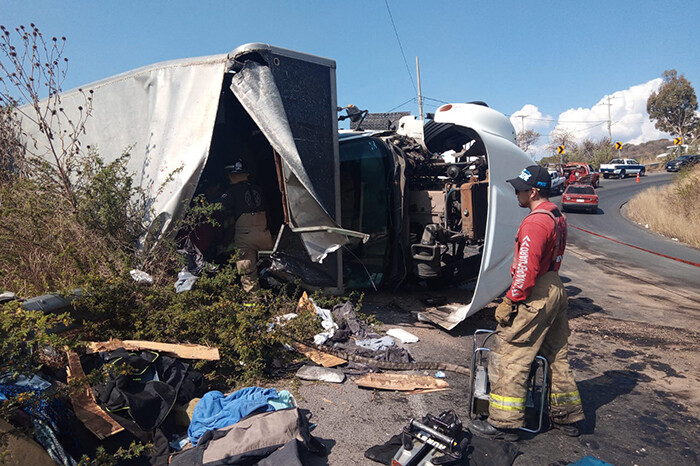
(646, 151)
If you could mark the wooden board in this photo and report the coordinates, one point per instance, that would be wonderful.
(86, 409)
(178, 350)
(402, 382)
(319, 357)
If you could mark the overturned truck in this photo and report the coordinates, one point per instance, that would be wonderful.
(426, 201)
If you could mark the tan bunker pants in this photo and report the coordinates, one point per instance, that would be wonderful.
(250, 237)
(540, 325)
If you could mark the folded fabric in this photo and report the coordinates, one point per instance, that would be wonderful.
(215, 410)
(271, 438)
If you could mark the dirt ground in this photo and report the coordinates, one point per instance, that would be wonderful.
(633, 348)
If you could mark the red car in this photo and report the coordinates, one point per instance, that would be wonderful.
(581, 172)
(580, 196)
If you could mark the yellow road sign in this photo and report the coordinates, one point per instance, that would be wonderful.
(618, 145)
(560, 149)
(677, 141)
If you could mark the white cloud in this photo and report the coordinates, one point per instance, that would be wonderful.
(533, 119)
(628, 113)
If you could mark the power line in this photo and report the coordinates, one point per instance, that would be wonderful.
(410, 76)
(412, 99)
(435, 100)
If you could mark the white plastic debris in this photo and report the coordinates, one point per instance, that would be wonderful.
(402, 335)
(324, 374)
(646, 226)
(141, 277)
(327, 323)
(7, 296)
(440, 375)
(376, 344)
(185, 281)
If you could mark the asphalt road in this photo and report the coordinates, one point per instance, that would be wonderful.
(668, 274)
(633, 350)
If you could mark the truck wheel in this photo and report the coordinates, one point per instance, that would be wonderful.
(597, 183)
(623, 174)
(642, 172)
(606, 176)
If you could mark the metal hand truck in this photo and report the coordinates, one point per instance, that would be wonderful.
(479, 382)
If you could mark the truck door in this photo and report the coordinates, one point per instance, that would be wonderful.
(292, 98)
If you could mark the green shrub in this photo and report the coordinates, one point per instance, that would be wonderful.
(216, 312)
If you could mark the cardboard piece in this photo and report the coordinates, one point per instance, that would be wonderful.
(86, 409)
(319, 357)
(402, 382)
(178, 350)
(305, 303)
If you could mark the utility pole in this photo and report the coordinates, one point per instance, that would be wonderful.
(609, 119)
(420, 95)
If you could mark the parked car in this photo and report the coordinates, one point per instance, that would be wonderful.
(581, 172)
(622, 168)
(580, 196)
(558, 179)
(681, 161)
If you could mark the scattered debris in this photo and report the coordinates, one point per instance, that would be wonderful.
(323, 374)
(185, 281)
(7, 296)
(86, 409)
(402, 382)
(402, 335)
(178, 350)
(141, 277)
(323, 359)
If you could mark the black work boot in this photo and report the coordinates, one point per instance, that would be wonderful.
(485, 429)
(567, 429)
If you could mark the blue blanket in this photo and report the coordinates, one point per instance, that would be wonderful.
(215, 411)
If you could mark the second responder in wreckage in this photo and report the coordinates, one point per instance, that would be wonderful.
(246, 208)
(532, 319)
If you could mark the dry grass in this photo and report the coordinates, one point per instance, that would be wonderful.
(671, 210)
(42, 246)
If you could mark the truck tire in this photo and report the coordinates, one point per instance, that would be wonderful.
(596, 183)
(606, 176)
(623, 174)
(642, 172)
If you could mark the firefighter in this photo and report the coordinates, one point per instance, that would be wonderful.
(532, 319)
(246, 210)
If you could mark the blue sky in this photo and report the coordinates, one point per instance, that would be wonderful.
(548, 60)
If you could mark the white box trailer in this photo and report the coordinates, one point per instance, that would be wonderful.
(184, 120)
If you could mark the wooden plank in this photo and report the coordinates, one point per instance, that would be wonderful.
(86, 409)
(178, 350)
(402, 382)
(319, 357)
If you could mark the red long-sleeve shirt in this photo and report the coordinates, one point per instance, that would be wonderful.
(537, 250)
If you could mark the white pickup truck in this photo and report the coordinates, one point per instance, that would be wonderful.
(558, 180)
(621, 168)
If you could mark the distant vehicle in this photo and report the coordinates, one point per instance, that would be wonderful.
(425, 201)
(580, 196)
(558, 179)
(622, 168)
(581, 172)
(682, 161)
